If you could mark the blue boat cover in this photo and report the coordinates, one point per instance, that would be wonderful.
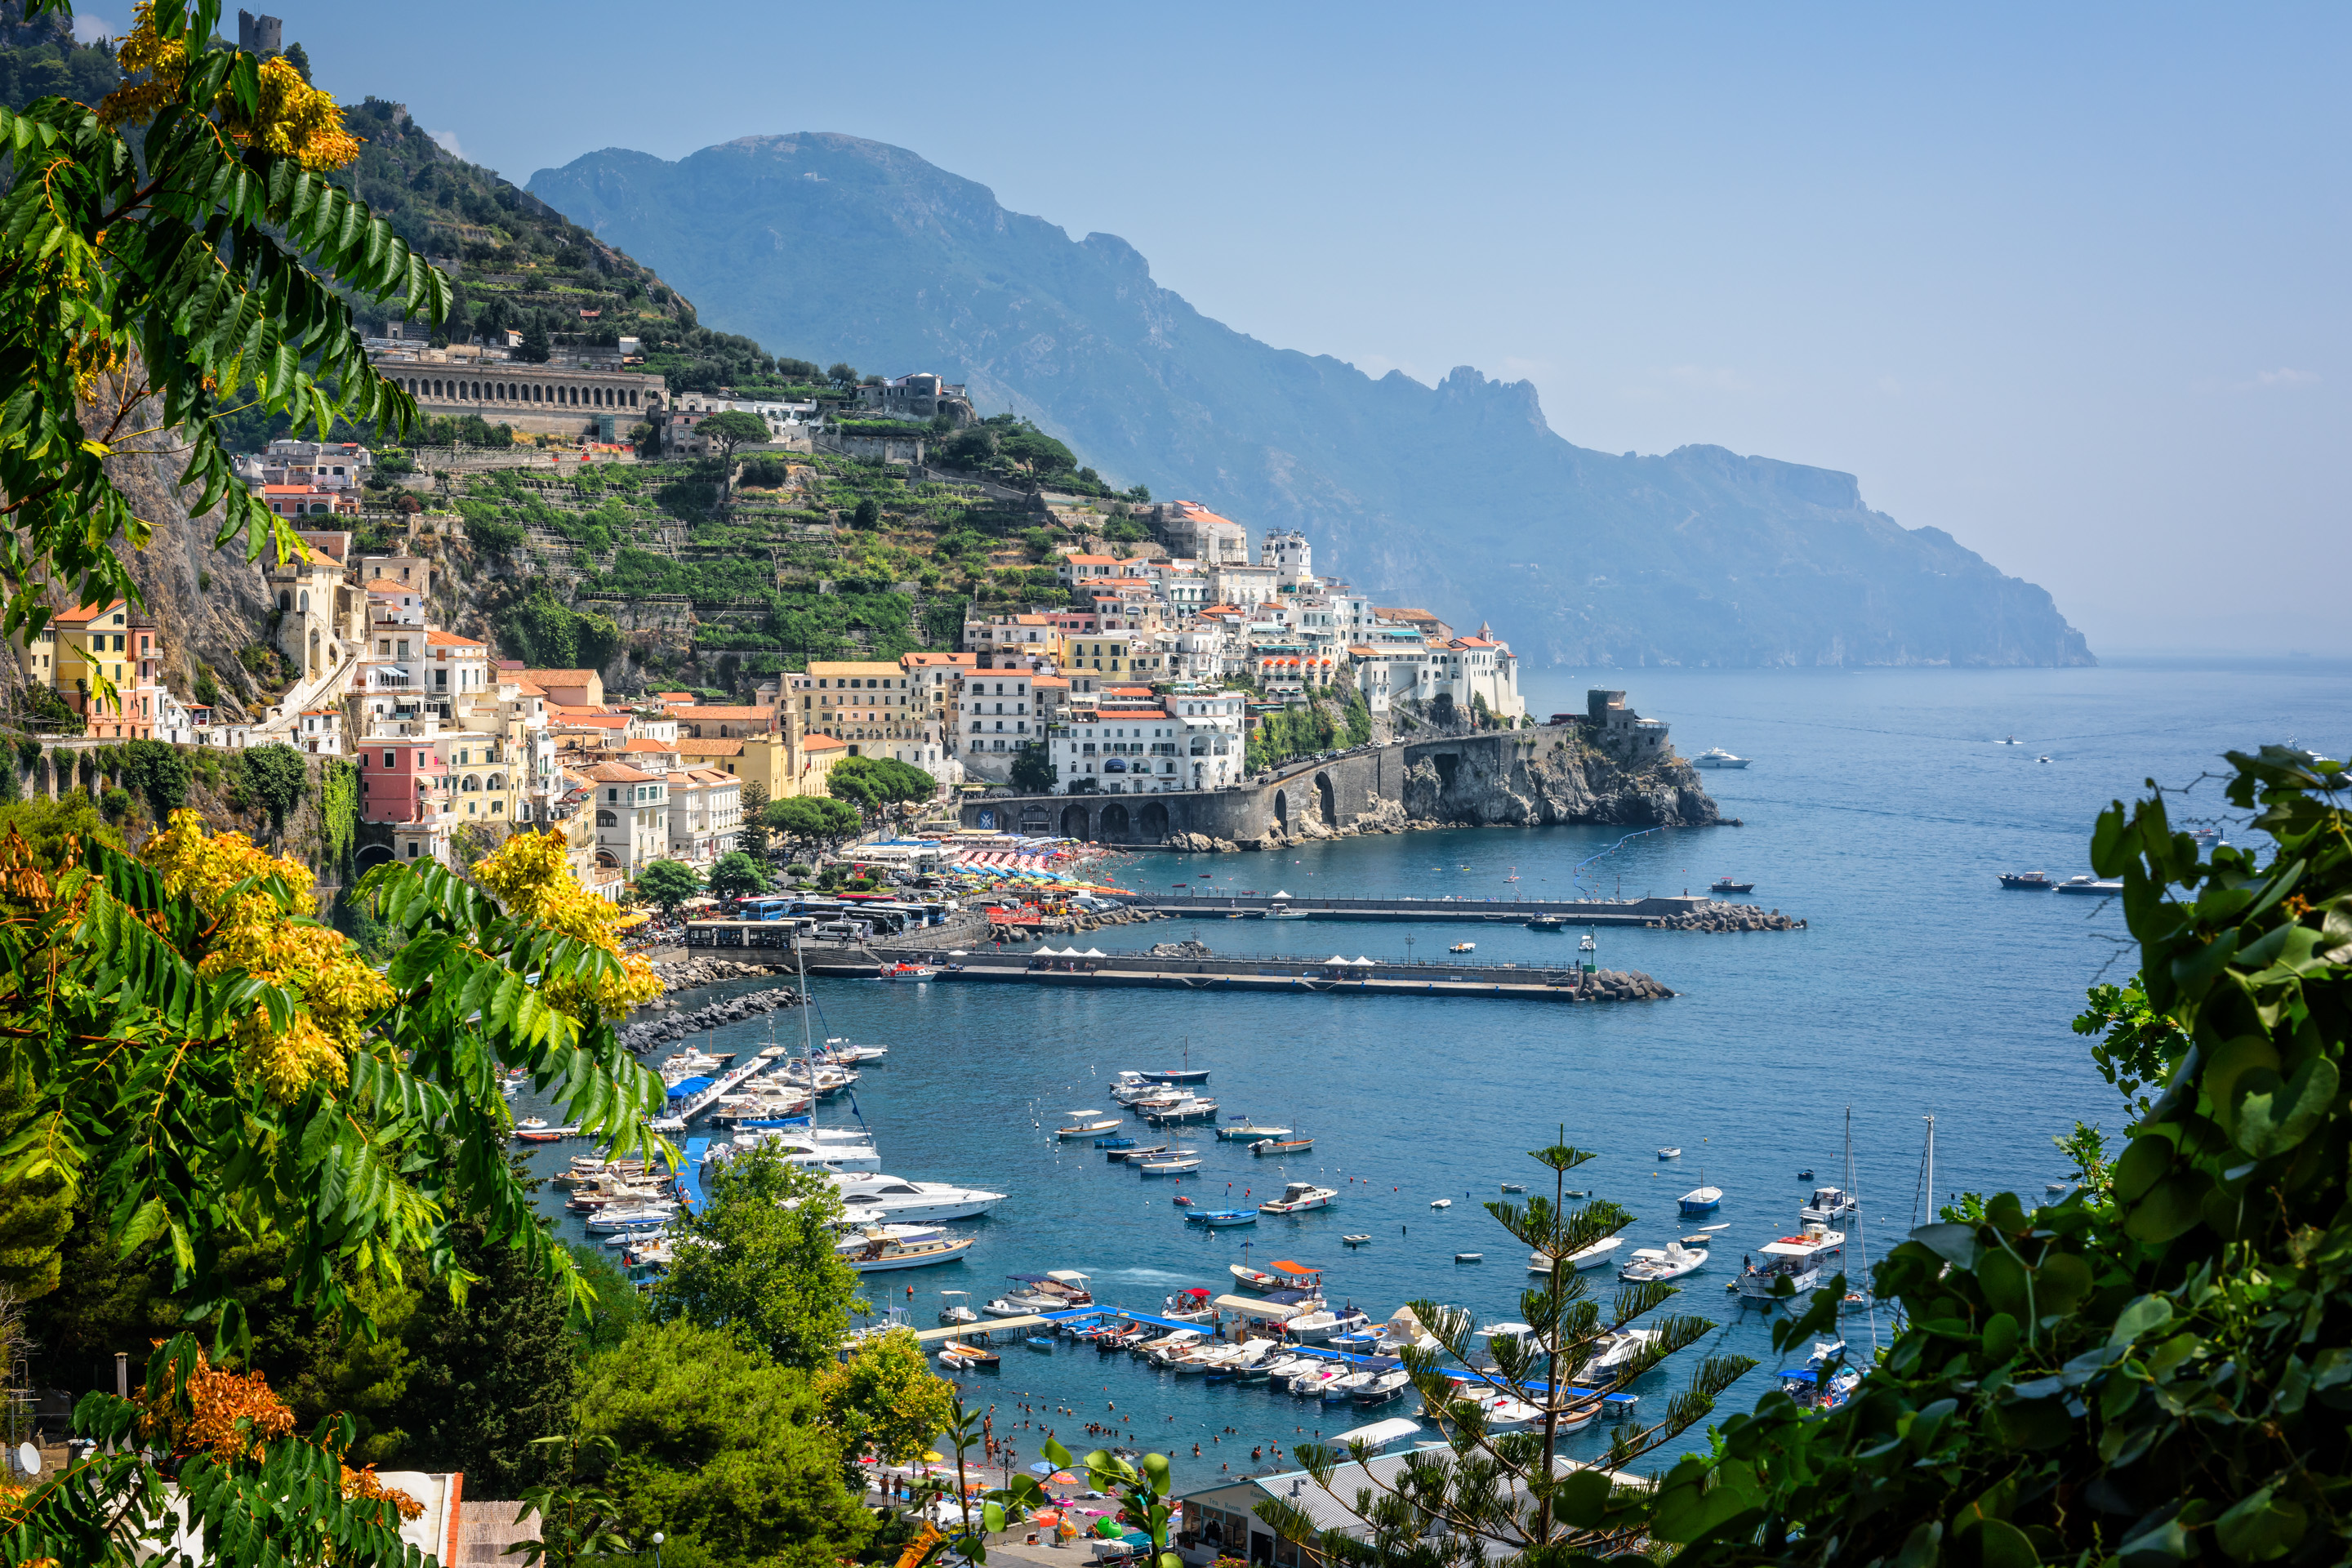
(687, 1088)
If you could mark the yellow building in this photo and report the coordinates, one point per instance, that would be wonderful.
(77, 647)
(876, 710)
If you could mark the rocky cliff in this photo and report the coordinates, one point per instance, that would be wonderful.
(210, 604)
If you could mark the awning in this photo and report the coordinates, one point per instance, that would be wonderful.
(1287, 1267)
(1380, 1433)
(1250, 1307)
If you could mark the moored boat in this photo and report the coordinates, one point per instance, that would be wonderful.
(884, 1255)
(1183, 1162)
(1717, 757)
(2028, 882)
(1798, 1260)
(1725, 885)
(1300, 1196)
(1247, 1128)
(1672, 1261)
(1702, 1200)
(1084, 1127)
(2092, 885)
(1282, 1146)
(1217, 1219)
(903, 970)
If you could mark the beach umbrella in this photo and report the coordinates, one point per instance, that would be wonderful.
(1062, 1478)
(1041, 1468)
(931, 1457)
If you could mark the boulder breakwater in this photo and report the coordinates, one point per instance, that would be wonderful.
(655, 1033)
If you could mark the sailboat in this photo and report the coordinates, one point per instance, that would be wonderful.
(1702, 1199)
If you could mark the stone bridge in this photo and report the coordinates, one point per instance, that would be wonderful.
(1514, 775)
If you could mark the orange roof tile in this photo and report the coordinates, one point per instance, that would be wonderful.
(730, 748)
(619, 772)
(435, 637)
(823, 743)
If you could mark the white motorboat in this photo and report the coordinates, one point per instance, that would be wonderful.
(1281, 1369)
(1087, 1123)
(689, 1062)
(880, 1197)
(838, 1052)
(2093, 885)
(1827, 1206)
(1166, 1349)
(644, 1218)
(1651, 1265)
(1384, 1388)
(1798, 1260)
(1613, 1350)
(1402, 1329)
(1246, 1131)
(1309, 1383)
(1191, 1108)
(1298, 1197)
(857, 1239)
(797, 1147)
(1183, 1163)
(1315, 1327)
(1204, 1359)
(1440, 1203)
(1717, 757)
(1340, 1389)
(956, 1308)
(1670, 1153)
(881, 1254)
(1596, 1256)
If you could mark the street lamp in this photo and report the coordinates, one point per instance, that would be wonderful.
(658, 1546)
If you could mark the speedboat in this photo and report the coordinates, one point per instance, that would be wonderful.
(957, 1309)
(1440, 1203)
(1826, 1205)
(1652, 1265)
(1246, 1131)
(1125, 1149)
(2092, 885)
(1340, 1390)
(856, 1238)
(1189, 1306)
(896, 1199)
(2028, 882)
(1287, 1276)
(1384, 1388)
(1596, 1256)
(1549, 922)
(1613, 1350)
(909, 972)
(882, 1254)
(975, 1357)
(1218, 1218)
(1796, 1259)
(1191, 1108)
(1717, 757)
(1298, 1197)
(1315, 1327)
(644, 1218)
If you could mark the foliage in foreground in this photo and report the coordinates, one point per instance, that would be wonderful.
(2160, 1374)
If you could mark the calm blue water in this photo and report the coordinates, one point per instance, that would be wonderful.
(1879, 808)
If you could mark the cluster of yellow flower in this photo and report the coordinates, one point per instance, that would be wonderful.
(294, 120)
(530, 875)
(338, 991)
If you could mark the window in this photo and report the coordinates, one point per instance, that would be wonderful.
(390, 759)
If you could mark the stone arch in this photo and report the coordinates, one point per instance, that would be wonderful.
(606, 819)
(285, 599)
(497, 781)
(360, 860)
(1115, 829)
(1074, 822)
(304, 604)
(1151, 822)
(473, 783)
(1282, 810)
(1326, 800)
(607, 861)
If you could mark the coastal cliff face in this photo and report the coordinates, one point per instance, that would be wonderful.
(1518, 779)
(209, 603)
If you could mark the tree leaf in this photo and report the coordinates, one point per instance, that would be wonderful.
(2260, 1527)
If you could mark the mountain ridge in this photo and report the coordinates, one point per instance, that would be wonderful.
(1457, 495)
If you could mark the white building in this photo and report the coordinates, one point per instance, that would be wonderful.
(1120, 752)
(994, 719)
(1287, 551)
(705, 815)
(1213, 740)
(631, 817)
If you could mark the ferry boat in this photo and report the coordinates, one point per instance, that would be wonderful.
(2092, 885)
(1725, 885)
(2026, 881)
(1717, 757)
(1796, 1259)
(1265, 1146)
(1298, 1197)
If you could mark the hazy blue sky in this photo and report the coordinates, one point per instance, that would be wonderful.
(2069, 282)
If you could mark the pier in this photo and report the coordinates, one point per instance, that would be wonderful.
(1261, 971)
(1475, 912)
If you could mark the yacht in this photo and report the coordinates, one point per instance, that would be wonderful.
(2093, 884)
(1652, 1265)
(2026, 881)
(857, 1239)
(1298, 1197)
(641, 1218)
(1717, 757)
(1384, 1388)
(1796, 1259)
(798, 1148)
(879, 1197)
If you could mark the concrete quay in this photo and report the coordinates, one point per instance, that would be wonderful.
(1640, 912)
(1267, 972)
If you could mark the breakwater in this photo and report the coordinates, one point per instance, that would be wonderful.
(1167, 969)
(655, 1032)
(1643, 911)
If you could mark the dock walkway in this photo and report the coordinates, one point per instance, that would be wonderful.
(1264, 972)
(1477, 911)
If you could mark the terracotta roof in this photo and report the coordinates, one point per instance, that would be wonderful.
(438, 638)
(386, 585)
(644, 745)
(596, 720)
(714, 712)
(1199, 513)
(86, 613)
(559, 676)
(673, 697)
(619, 772)
(1043, 681)
(708, 748)
(823, 743)
(530, 689)
(711, 775)
(870, 666)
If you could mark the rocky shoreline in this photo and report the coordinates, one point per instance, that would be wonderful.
(1625, 986)
(687, 974)
(658, 1032)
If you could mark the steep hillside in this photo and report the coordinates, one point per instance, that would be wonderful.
(1458, 496)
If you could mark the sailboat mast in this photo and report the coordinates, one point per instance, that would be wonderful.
(1860, 1236)
(1931, 1170)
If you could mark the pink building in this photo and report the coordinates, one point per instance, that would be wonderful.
(401, 780)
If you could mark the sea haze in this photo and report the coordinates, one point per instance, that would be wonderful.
(1879, 807)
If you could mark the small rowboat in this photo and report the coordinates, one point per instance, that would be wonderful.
(1041, 1342)
(1182, 1165)
(1670, 1153)
(1440, 1203)
(1264, 1146)
(1114, 1142)
(1086, 1129)
(1469, 1258)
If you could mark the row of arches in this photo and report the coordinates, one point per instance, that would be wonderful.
(1115, 825)
(472, 783)
(582, 395)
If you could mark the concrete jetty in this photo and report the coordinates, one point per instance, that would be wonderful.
(1257, 971)
(1642, 911)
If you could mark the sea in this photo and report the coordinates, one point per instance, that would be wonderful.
(1879, 808)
